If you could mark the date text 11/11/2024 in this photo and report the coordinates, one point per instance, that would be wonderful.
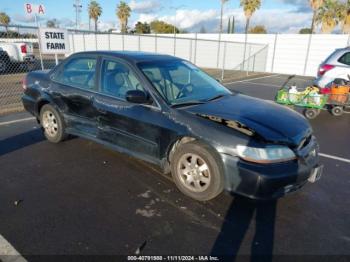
(173, 258)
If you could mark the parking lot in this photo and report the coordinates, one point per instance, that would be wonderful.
(79, 198)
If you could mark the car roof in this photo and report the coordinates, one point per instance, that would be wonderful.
(132, 56)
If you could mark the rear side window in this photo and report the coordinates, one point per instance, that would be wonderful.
(345, 59)
(78, 72)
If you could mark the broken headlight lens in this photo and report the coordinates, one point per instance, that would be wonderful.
(270, 154)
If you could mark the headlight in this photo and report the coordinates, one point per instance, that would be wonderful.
(271, 154)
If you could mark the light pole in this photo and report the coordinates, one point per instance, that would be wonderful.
(222, 14)
(176, 8)
(77, 7)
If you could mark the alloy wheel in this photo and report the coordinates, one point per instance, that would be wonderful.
(193, 172)
(50, 123)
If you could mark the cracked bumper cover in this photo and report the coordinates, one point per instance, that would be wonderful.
(266, 181)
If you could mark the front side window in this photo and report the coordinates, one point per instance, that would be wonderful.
(117, 79)
(345, 59)
(179, 82)
(78, 72)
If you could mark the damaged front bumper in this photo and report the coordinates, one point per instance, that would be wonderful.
(268, 181)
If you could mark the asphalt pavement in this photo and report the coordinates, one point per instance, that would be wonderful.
(79, 198)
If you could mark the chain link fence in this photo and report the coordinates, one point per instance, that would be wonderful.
(20, 54)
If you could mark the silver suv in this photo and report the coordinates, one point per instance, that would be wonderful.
(337, 65)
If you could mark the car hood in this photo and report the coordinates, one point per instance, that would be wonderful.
(269, 120)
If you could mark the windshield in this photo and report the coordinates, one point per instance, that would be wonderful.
(180, 82)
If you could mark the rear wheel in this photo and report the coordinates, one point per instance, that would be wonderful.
(311, 113)
(196, 171)
(52, 123)
(337, 111)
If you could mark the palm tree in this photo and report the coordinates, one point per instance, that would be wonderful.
(346, 22)
(344, 17)
(95, 11)
(329, 15)
(123, 13)
(315, 5)
(222, 13)
(4, 20)
(249, 7)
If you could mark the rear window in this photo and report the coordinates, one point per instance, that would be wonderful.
(345, 59)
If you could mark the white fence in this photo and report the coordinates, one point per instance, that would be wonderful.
(291, 53)
(208, 53)
(285, 53)
(275, 53)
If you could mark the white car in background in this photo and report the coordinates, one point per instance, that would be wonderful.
(19, 52)
(337, 65)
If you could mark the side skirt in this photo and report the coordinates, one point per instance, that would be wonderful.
(119, 149)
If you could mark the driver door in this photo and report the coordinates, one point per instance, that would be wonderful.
(137, 129)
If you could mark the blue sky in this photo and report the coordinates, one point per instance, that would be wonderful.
(191, 15)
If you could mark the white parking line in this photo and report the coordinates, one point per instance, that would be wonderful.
(294, 78)
(247, 80)
(261, 84)
(335, 158)
(16, 121)
(8, 253)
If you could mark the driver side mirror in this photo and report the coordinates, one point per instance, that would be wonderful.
(138, 97)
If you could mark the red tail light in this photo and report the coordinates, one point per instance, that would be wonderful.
(24, 83)
(24, 49)
(323, 69)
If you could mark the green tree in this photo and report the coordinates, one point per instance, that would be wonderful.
(231, 25)
(315, 6)
(346, 23)
(142, 28)
(344, 17)
(95, 11)
(329, 15)
(305, 31)
(222, 13)
(249, 7)
(52, 23)
(123, 13)
(259, 29)
(5, 20)
(161, 27)
(203, 30)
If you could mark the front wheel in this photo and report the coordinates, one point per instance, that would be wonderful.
(52, 123)
(196, 171)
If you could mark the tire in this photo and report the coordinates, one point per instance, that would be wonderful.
(311, 113)
(52, 123)
(337, 111)
(206, 180)
(3, 66)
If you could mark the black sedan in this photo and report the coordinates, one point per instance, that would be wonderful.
(166, 111)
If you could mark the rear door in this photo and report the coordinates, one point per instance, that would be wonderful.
(73, 89)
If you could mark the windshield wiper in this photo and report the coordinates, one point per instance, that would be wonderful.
(215, 97)
(188, 103)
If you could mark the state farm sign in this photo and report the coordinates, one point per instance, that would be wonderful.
(54, 41)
